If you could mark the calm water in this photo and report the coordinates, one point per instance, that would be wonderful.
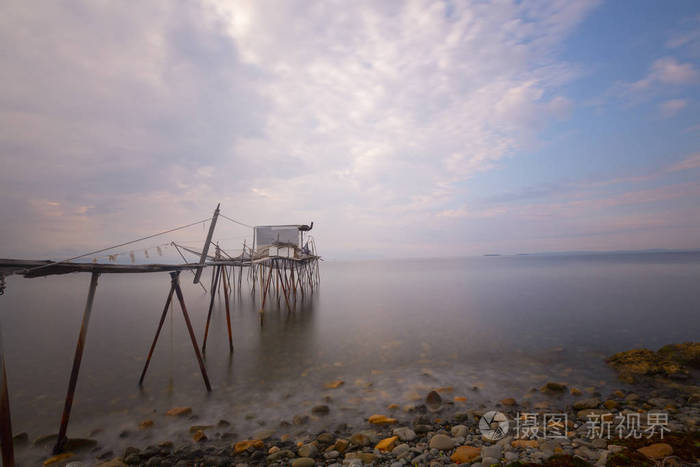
(390, 330)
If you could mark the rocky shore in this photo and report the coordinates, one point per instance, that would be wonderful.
(445, 430)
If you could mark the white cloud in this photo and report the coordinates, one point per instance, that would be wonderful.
(668, 71)
(372, 112)
(672, 107)
(690, 162)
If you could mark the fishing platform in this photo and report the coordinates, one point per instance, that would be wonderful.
(282, 262)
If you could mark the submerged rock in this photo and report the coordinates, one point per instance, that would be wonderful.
(381, 420)
(670, 361)
(433, 401)
(179, 411)
(553, 388)
(58, 458)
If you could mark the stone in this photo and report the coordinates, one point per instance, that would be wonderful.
(364, 457)
(525, 443)
(307, 450)
(360, 439)
(656, 451)
(509, 402)
(320, 410)
(263, 434)
(199, 436)
(586, 404)
(599, 443)
(575, 392)
(441, 442)
(300, 419)
(179, 411)
(58, 458)
(400, 449)
(45, 439)
(493, 451)
(303, 462)
(280, 454)
(552, 387)
(325, 438)
(196, 428)
(405, 433)
(459, 431)
(334, 384)
(387, 444)
(116, 462)
(670, 361)
(610, 404)
(381, 420)
(433, 401)
(341, 445)
(77, 444)
(460, 399)
(465, 454)
(146, 424)
(20, 438)
(241, 446)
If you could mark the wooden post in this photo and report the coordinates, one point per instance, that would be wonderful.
(284, 289)
(6, 446)
(61, 441)
(217, 272)
(155, 338)
(178, 292)
(210, 234)
(267, 288)
(228, 314)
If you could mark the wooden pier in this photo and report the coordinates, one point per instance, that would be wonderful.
(280, 267)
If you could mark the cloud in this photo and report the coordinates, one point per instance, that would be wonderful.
(690, 162)
(667, 71)
(672, 107)
(371, 113)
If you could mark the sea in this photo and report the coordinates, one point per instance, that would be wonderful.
(380, 332)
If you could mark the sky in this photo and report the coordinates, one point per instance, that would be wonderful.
(401, 128)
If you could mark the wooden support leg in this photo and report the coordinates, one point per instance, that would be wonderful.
(211, 307)
(155, 338)
(178, 292)
(284, 289)
(267, 287)
(61, 441)
(228, 313)
(6, 446)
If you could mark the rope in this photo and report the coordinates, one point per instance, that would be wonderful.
(237, 222)
(118, 246)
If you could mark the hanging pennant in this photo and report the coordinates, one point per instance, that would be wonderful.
(145, 252)
(160, 252)
(132, 256)
(113, 258)
(94, 260)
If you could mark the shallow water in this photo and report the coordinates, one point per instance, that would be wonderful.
(392, 330)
